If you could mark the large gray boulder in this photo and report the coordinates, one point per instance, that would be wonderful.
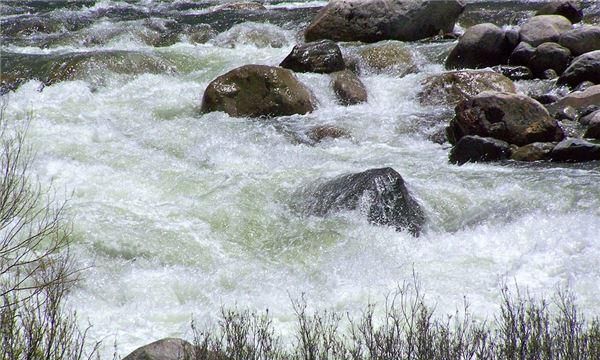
(581, 40)
(455, 86)
(376, 20)
(164, 349)
(549, 56)
(348, 87)
(481, 46)
(514, 118)
(585, 67)
(575, 150)
(544, 28)
(566, 8)
(380, 193)
(258, 90)
(322, 56)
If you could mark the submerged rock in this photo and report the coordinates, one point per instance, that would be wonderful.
(575, 150)
(322, 56)
(376, 20)
(514, 118)
(568, 9)
(257, 34)
(473, 148)
(481, 46)
(320, 132)
(455, 86)
(585, 67)
(388, 57)
(380, 193)
(544, 28)
(164, 349)
(258, 90)
(348, 87)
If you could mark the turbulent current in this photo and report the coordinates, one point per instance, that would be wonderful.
(177, 213)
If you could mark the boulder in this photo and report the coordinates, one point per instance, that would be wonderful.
(164, 349)
(319, 57)
(473, 148)
(348, 87)
(521, 54)
(593, 130)
(320, 132)
(258, 90)
(581, 40)
(376, 20)
(568, 9)
(590, 117)
(585, 67)
(575, 150)
(514, 72)
(391, 57)
(578, 100)
(380, 193)
(549, 56)
(536, 151)
(455, 86)
(514, 118)
(544, 28)
(481, 46)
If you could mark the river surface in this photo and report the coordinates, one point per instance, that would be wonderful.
(177, 213)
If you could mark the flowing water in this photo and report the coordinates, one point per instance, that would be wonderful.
(177, 213)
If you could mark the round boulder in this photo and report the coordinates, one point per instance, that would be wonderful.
(481, 46)
(575, 150)
(258, 90)
(549, 56)
(544, 28)
(319, 57)
(376, 20)
(473, 148)
(568, 9)
(593, 130)
(514, 118)
(585, 67)
(348, 87)
(581, 40)
(455, 86)
(521, 54)
(164, 349)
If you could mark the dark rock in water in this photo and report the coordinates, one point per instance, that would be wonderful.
(548, 74)
(200, 33)
(568, 9)
(481, 46)
(380, 193)
(537, 151)
(164, 349)
(455, 86)
(549, 56)
(473, 148)
(258, 90)
(587, 118)
(320, 57)
(581, 40)
(391, 57)
(521, 54)
(514, 72)
(348, 87)
(544, 28)
(567, 113)
(321, 132)
(514, 118)
(546, 98)
(584, 86)
(575, 150)
(376, 20)
(585, 67)
(593, 130)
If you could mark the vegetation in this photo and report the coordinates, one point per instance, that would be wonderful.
(36, 269)
(407, 329)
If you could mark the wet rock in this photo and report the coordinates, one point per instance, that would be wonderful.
(590, 117)
(581, 40)
(568, 9)
(578, 100)
(249, 5)
(391, 57)
(585, 67)
(376, 20)
(575, 150)
(593, 130)
(348, 87)
(164, 349)
(258, 90)
(319, 57)
(515, 118)
(318, 133)
(514, 72)
(481, 46)
(537, 151)
(455, 86)
(544, 28)
(200, 33)
(545, 99)
(473, 148)
(380, 193)
(521, 54)
(549, 56)
(257, 34)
